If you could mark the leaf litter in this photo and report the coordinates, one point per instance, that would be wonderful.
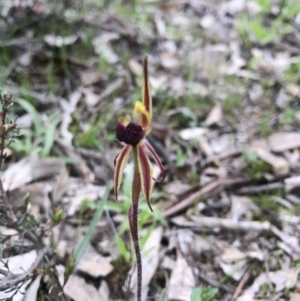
(226, 102)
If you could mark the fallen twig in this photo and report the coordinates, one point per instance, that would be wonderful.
(228, 224)
(12, 280)
(207, 191)
(241, 284)
(214, 283)
(260, 188)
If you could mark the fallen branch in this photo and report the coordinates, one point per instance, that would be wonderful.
(247, 226)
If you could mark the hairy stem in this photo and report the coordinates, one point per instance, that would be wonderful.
(133, 222)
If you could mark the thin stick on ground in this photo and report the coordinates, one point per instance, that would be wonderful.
(12, 280)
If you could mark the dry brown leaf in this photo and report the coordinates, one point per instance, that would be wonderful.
(33, 169)
(280, 165)
(256, 92)
(233, 6)
(78, 290)
(59, 41)
(234, 263)
(282, 99)
(160, 24)
(169, 60)
(206, 149)
(61, 184)
(215, 116)
(135, 67)
(30, 169)
(38, 195)
(291, 184)
(168, 263)
(182, 280)
(104, 289)
(192, 133)
(89, 77)
(293, 89)
(90, 98)
(32, 290)
(223, 143)
(211, 173)
(79, 164)
(207, 21)
(60, 272)
(177, 188)
(17, 265)
(294, 297)
(26, 58)
(241, 207)
(291, 241)
(93, 264)
(102, 46)
(150, 261)
(178, 86)
(280, 142)
(79, 191)
(189, 242)
(283, 279)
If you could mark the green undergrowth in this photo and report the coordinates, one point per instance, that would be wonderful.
(202, 293)
(256, 168)
(266, 26)
(267, 201)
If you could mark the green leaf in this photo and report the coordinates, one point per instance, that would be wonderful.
(49, 138)
(195, 294)
(146, 236)
(122, 248)
(117, 207)
(57, 217)
(201, 293)
(27, 106)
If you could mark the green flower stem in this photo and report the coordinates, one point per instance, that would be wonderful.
(133, 221)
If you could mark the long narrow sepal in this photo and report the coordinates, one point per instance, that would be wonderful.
(145, 170)
(120, 163)
(158, 162)
(147, 99)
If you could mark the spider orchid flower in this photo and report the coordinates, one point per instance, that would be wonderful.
(133, 134)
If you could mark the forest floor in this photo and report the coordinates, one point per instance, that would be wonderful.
(225, 78)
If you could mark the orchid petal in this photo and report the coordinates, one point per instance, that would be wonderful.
(145, 169)
(158, 162)
(120, 163)
(141, 115)
(147, 99)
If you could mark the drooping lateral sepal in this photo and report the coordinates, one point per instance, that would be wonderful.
(145, 170)
(120, 163)
(158, 162)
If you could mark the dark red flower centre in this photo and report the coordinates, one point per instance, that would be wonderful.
(131, 134)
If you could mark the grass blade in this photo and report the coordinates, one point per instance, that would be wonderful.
(84, 243)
